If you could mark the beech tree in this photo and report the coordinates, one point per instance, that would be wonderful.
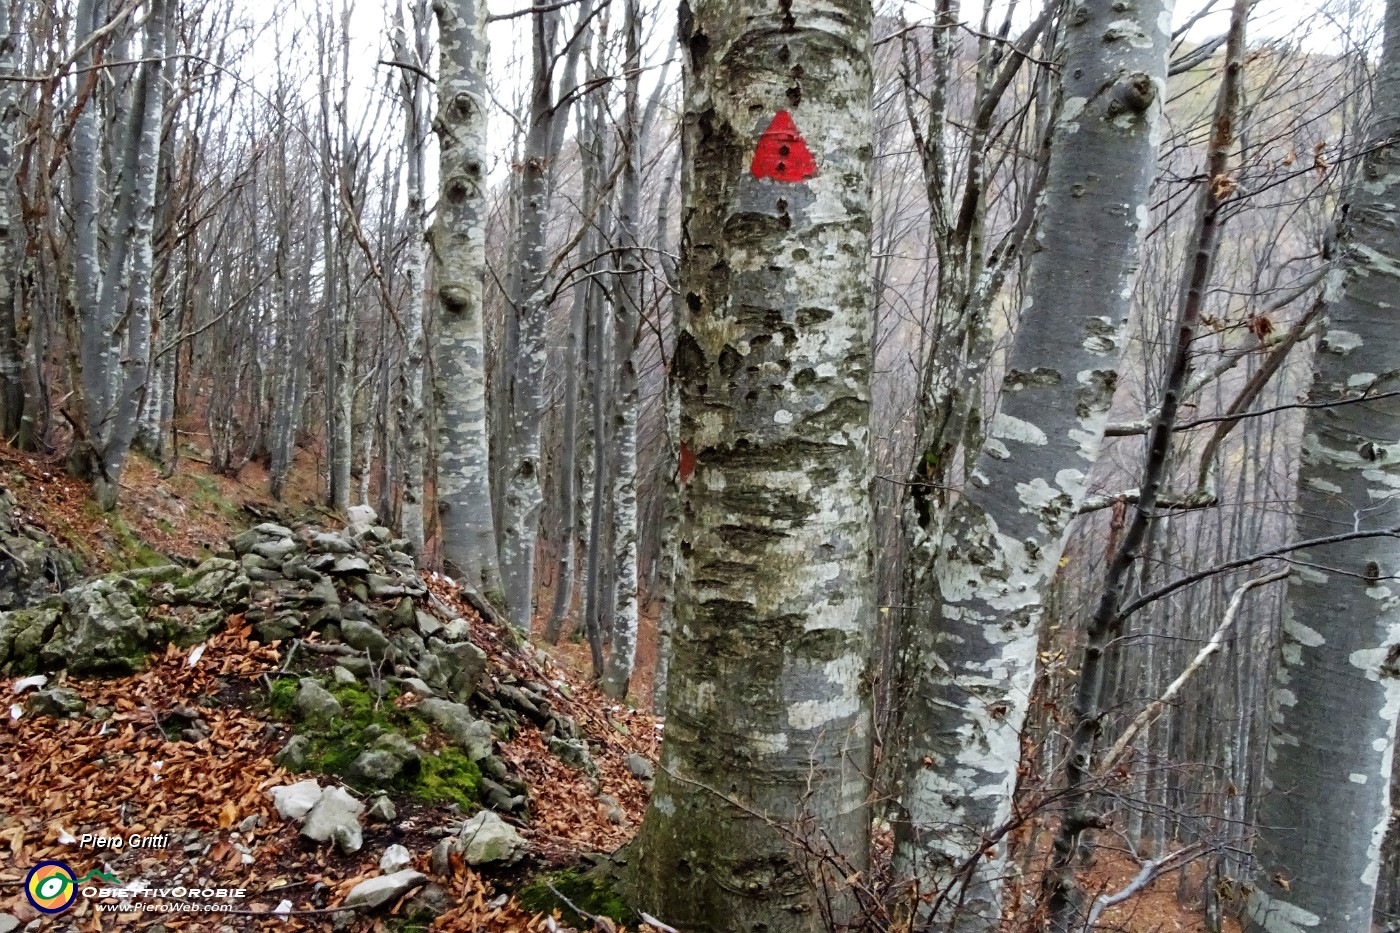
(1325, 802)
(768, 709)
(111, 283)
(987, 555)
(459, 246)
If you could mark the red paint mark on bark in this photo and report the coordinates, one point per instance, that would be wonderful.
(782, 153)
(687, 467)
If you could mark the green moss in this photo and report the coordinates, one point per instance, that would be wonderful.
(589, 891)
(282, 696)
(419, 921)
(446, 777)
(131, 551)
(208, 493)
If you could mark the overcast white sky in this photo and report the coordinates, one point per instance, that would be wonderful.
(1324, 25)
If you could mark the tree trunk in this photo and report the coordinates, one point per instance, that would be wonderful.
(412, 419)
(1325, 803)
(761, 805)
(617, 673)
(983, 562)
(459, 240)
(12, 337)
(113, 291)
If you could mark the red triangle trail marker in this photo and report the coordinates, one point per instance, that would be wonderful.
(782, 153)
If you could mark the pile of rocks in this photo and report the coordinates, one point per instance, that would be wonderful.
(35, 567)
(357, 626)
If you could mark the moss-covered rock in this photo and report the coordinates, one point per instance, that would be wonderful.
(591, 889)
(371, 744)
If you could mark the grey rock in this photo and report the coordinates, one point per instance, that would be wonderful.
(349, 564)
(322, 561)
(359, 517)
(378, 534)
(499, 798)
(430, 669)
(252, 561)
(398, 746)
(330, 542)
(100, 630)
(456, 722)
(382, 587)
(495, 767)
(377, 892)
(335, 818)
(418, 686)
(381, 810)
(365, 637)
(323, 592)
(24, 631)
(242, 543)
(408, 644)
(59, 702)
(639, 767)
(404, 615)
(427, 624)
(275, 630)
(360, 667)
(215, 582)
(441, 857)
(343, 676)
(314, 702)
(8, 923)
(573, 752)
(293, 801)
(463, 665)
(456, 630)
(487, 838)
(375, 767)
(395, 858)
(277, 549)
(272, 530)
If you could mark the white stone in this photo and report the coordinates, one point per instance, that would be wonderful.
(376, 892)
(394, 858)
(335, 818)
(488, 838)
(360, 517)
(293, 801)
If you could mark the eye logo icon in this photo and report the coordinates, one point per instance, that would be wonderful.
(51, 887)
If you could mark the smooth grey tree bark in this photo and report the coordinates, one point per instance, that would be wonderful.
(112, 290)
(12, 338)
(1325, 804)
(459, 247)
(526, 349)
(761, 806)
(576, 453)
(987, 555)
(412, 416)
(627, 306)
(1066, 907)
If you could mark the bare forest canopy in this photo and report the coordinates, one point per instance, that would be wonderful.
(974, 428)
